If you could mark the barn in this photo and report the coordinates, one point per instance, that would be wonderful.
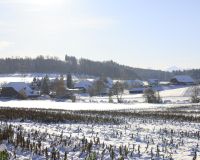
(182, 80)
(83, 85)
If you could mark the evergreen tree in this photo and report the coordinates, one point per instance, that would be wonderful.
(69, 81)
(71, 64)
(45, 85)
(34, 83)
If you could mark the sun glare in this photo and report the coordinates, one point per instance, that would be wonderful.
(45, 2)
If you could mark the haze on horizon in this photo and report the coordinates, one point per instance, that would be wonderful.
(140, 33)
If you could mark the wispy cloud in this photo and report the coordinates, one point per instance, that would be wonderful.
(33, 2)
(92, 23)
(36, 5)
(5, 44)
(73, 24)
(6, 27)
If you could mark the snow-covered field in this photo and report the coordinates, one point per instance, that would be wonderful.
(135, 137)
(171, 94)
(138, 138)
(6, 78)
(49, 104)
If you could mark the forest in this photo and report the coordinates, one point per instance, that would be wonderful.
(84, 66)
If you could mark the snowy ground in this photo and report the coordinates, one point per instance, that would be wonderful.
(139, 139)
(172, 94)
(27, 78)
(49, 104)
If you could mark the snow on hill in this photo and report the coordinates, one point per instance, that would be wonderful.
(27, 78)
(179, 92)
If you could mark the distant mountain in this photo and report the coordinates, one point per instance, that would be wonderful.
(174, 68)
(85, 66)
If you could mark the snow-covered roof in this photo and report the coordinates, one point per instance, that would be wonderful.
(16, 85)
(21, 86)
(184, 78)
(83, 84)
(135, 82)
(109, 82)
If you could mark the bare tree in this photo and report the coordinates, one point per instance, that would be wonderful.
(195, 92)
(97, 88)
(118, 90)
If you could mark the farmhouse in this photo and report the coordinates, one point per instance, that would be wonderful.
(182, 80)
(83, 85)
(19, 90)
(135, 86)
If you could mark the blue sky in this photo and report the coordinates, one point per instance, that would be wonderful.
(140, 33)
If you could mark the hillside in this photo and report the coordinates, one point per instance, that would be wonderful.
(84, 66)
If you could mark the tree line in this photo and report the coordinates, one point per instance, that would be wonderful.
(71, 64)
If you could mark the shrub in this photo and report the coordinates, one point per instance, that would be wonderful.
(152, 96)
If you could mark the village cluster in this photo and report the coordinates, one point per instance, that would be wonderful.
(71, 87)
